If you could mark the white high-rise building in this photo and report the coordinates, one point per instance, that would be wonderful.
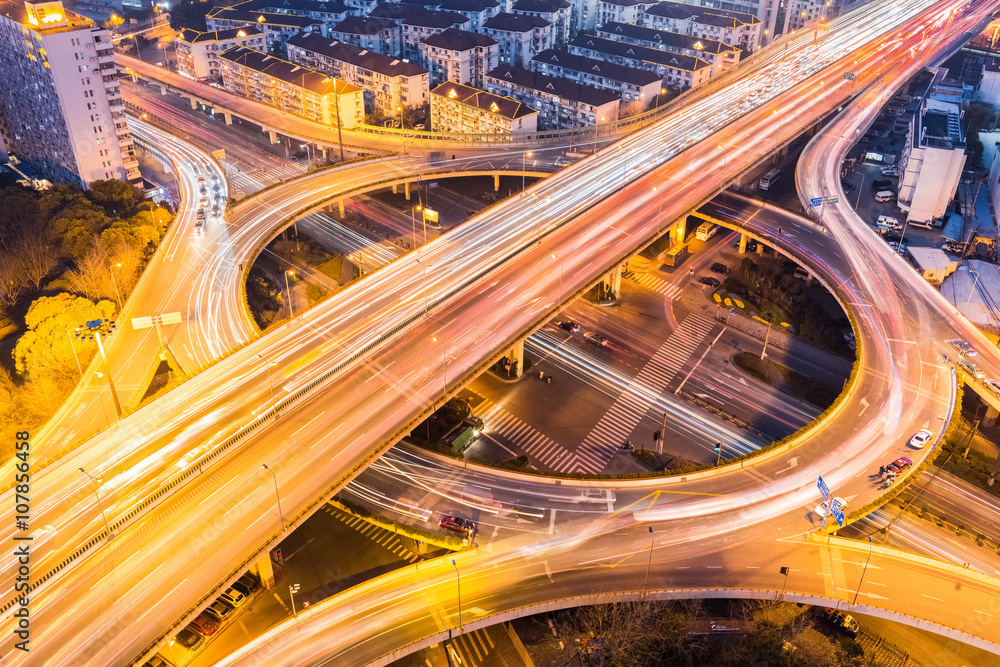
(61, 111)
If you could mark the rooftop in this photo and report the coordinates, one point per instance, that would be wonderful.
(706, 15)
(56, 17)
(515, 22)
(454, 39)
(251, 17)
(363, 25)
(303, 77)
(931, 259)
(630, 75)
(300, 7)
(468, 5)
(193, 36)
(375, 62)
(480, 99)
(673, 39)
(432, 19)
(642, 53)
(540, 6)
(563, 88)
(975, 290)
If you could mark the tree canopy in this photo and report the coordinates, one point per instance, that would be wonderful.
(45, 347)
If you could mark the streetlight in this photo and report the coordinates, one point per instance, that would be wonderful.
(858, 592)
(413, 224)
(971, 290)
(269, 385)
(663, 91)
(529, 154)
(94, 329)
(277, 495)
(73, 347)
(458, 581)
(291, 308)
(115, 283)
(444, 365)
(292, 590)
(98, 496)
(596, 125)
(649, 563)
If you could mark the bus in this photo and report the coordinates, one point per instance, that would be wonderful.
(706, 230)
(770, 179)
(675, 254)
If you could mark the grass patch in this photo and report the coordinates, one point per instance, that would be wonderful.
(413, 532)
(786, 380)
(332, 267)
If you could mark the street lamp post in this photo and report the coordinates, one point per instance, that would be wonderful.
(270, 386)
(277, 495)
(458, 581)
(624, 166)
(291, 308)
(971, 290)
(292, 590)
(413, 224)
(72, 346)
(114, 282)
(98, 496)
(529, 154)
(107, 367)
(767, 336)
(649, 563)
(444, 365)
(858, 592)
(425, 267)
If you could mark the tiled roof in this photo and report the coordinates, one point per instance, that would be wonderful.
(643, 53)
(630, 75)
(193, 36)
(468, 5)
(283, 70)
(376, 62)
(540, 6)
(705, 15)
(240, 13)
(553, 85)
(480, 99)
(674, 39)
(430, 19)
(454, 39)
(363, 25)
(515, 22)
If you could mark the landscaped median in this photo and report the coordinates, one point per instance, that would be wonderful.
(404, 529)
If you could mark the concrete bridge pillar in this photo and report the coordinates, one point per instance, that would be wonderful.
(272, 136)
(194, 102)
(760, 248)
(265, 570)
(743, 243)
(325, 151)
(340, 205)
(406, 190)
(612, 284)
(680, 231)
(496, 182)
(228, 117)
(516, 355)
(394, 189)
(991, 416)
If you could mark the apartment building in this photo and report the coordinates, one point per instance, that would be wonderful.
(291, 88)
(736, 28)
(460, 56)
(376, 34)
(803, 12)
(633, 85)
(677, 70)
(477, 11)
(389, 83)
(621, 11)
(722, 56)
(583, 15)
(557, 12)
(423, 24)
(463, 109)
(61, 110)
(520, 37)
(561, 103)
(198, 52)
(765, 10)
(277, 28)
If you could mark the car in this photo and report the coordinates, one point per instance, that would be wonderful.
(215, 209)
(847, 186)
(190, 639)
(920, 438)
(595, 496)
(595, 338)
(963, 348)
(457, 524)
(220, 609)
(570, 326)
(900, 464)
(840, 502)
(201, 179)
(420, 126)
(205, 624)
(233, 597)
(993, 385)
(204, 189)
(719, 267)
(199, 226)
(250, 582)
(845, 622)
(710, 281)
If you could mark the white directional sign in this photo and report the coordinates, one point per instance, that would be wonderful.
(151, 320)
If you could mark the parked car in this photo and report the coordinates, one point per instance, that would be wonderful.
(821, 508)
(250, 582)
(845, 622)
(920, 438)
(190, 639)
(595, 338)
(719, 267)
(993, 385)
(233, 597)
(457, 524)
(848, 188)
(710, 281)
(220, 609)
(205, 624)
(570, 326)
(963, 348)
(900, 464)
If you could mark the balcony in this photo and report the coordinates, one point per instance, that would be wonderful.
(122, 130)
(106, 58)
(125, 142)
(113, 95)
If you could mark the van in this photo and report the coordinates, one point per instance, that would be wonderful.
(888, 221)
(972, 369)
(706, 230)
(769, 180)
(885, 195)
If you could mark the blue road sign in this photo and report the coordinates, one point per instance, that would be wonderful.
(823, 488)
(816, 201)
(838, 513)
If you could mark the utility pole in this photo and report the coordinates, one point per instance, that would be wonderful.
(663, 433)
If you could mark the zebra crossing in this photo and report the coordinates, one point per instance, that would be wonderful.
(384, 538)
(657, 285)
(539, 447)
(471, 648)
(625, 414)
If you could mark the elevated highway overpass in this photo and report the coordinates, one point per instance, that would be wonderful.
(83, 611)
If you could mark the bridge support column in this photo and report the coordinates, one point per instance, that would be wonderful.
(325, 151)
(394, 189)
(516, 354)
(265, 570)
(163, 90)
(743, 243)
(991, 416)
(228, 117)
(679, 231)
(340, 205)
(496, 182)
(612, 284)
(194, 103)
(760, 248)
(406, 190)
(273, 136)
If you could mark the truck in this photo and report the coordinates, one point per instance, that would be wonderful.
(464, 434)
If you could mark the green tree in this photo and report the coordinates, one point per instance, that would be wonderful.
(118, 198)
(45, 347)
(18, 211)
(126, 232)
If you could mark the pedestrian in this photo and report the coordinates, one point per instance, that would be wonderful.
(779, 231)
(881, 471)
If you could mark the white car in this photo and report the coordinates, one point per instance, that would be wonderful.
(920, 439)
(839, 502)
(993, 385)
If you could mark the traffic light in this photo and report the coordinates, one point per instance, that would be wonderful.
(718, 446)
(656, 436)
(277, 552)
